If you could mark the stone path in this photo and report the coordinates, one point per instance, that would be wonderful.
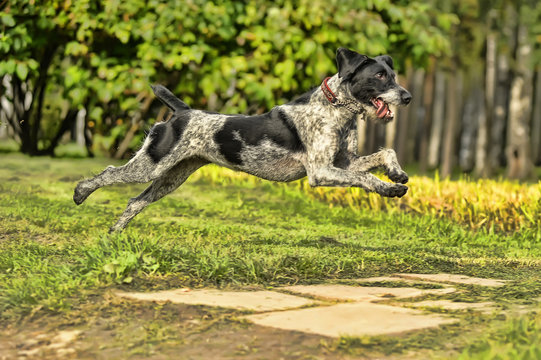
(334, 309)
(241, 300)
(362, 293)
(452, 278)
(357, 318)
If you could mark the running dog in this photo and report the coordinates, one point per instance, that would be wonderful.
(313, 135)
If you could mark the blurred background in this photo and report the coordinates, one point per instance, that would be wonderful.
(75, 75)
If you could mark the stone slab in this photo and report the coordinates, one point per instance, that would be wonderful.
(453, 305)
(361, 293)
(353, 319)
(383, 278)
(454, 278)
(242, 300)
(394, 278)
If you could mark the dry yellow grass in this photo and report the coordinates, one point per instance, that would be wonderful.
(500, 205)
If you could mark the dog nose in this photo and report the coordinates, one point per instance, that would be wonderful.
(406, 97)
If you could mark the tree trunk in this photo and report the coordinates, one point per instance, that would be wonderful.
(9, 109)
(482, 163)
(22, 115)
(424, 130)
(536, 121)
(438, 113)
(30, 121)
(402, 124)
(39, 94)
(371, 140)
(471, 118)
(501, 102)
(416, 114)
(65, 125)
(390, 130)
(80, 127)
(87, 132)
(361, 135)
(451, 124)
(519, 161)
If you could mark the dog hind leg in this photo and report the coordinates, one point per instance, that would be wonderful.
(140, 169)
(162, 186)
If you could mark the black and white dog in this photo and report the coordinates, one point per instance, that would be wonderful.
(314, 135)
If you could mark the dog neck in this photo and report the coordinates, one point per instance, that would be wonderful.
(346, 102)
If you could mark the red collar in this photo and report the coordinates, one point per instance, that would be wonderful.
(328, 92)
(350, 104)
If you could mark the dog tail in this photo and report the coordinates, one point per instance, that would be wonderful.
(167, 97)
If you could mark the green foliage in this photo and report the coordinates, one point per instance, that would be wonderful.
(244, 231)
(225, 229)
(213, 54)
(516, 339)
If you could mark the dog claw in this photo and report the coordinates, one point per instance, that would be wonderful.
(398, 176)
(395, 190)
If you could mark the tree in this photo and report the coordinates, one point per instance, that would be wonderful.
(438, 115)
(220, 55)
(483, 166)
(519, 161)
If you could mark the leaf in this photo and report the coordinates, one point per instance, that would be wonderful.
(7, 67)
(8, 20)
(123, 35)
(110, 268)
(76, 48)
(21, 71)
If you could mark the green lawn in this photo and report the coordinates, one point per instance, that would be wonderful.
(224, 230)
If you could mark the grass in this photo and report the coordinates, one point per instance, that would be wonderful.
(231, 230)
(514, 339)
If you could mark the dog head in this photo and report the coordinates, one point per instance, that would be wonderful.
(372, 82)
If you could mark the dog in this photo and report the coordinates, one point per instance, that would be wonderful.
(312, 136)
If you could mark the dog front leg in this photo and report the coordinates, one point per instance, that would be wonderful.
(385, 158)
(332, 176)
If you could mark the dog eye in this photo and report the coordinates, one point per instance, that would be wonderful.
(380, 75)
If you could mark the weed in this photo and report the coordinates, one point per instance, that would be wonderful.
(516, 338)
(229, 229)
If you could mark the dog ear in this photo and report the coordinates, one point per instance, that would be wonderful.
(387, 60)
(348, 61)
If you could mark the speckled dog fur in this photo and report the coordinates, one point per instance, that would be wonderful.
(309, 136)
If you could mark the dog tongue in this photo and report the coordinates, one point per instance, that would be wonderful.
(382, 110)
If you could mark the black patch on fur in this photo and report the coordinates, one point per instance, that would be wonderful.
(342, 160)
(386, 59)
(275, 126)
(348, 62)
(165, 135)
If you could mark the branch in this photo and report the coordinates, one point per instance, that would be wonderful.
(137, 122)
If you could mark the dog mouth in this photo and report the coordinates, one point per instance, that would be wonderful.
(382, 109)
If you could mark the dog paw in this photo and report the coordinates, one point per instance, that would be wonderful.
(395, 190)
(80, 194)
(78, 198)
(398, 176)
